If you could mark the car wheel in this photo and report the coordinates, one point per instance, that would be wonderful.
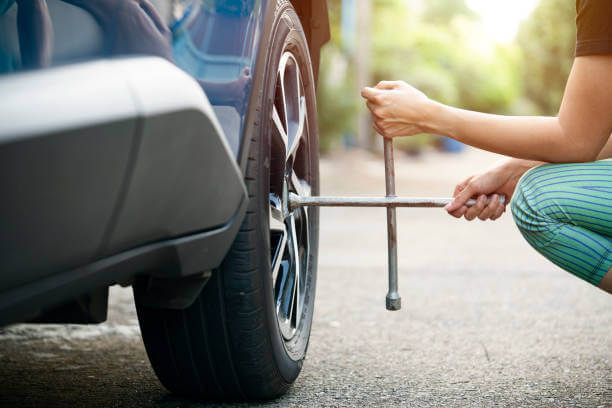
(246, 335)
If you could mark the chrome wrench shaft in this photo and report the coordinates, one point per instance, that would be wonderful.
(393, 299)
(391, 202)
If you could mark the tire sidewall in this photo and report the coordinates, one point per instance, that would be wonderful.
(287, 35)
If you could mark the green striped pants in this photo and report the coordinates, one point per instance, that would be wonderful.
(564, 211)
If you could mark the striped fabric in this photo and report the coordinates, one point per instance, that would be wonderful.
(564, 211)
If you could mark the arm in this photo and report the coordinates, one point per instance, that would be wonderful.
(577, 134)
(499, 180)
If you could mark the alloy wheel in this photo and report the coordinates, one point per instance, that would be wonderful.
(289, 172)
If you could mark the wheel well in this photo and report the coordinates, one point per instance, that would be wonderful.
(315, 20)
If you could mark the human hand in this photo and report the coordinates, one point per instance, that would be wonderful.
(500, 180)
(397, 108)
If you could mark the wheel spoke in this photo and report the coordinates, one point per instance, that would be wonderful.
(283, 302)
(301, 187)
(276, 215)
(296, 140)
(278, 235)
(295, 265)
(282, 68)
(293, 101)
(280, 135)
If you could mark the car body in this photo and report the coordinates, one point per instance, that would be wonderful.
(155, 144)
(101, 143)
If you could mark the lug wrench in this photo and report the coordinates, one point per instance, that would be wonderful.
(391, 202)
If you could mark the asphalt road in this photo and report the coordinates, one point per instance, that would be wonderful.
(485, 320)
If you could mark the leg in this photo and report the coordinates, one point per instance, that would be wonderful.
(606, 282)
(565, 212)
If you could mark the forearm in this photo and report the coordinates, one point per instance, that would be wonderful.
(523, 137)
(515, 168)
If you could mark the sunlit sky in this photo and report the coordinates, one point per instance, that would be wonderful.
(501, 18)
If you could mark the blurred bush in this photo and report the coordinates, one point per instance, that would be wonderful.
(547, 41)
(337, 101)
(439, 47)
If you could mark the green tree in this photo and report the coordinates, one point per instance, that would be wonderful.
(430, 47)
(336, 99)
(337, 103)
(547, 41)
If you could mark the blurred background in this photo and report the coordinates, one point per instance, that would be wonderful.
(491, 56)
(485, 321)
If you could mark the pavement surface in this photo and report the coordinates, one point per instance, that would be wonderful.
(485, 321)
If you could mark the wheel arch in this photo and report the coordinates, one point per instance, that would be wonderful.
(315, 20)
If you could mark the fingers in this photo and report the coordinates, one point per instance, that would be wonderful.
(389, 131)
(369, 93)
(461, 198)
(476, 209)
(461, 186)
(373, 108)
(499, 211)
(460, 212)
(490, 209)
(481, 209)
(378, 129)
(387, 85)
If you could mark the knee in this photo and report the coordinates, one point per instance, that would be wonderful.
(522, 211)
(524, 206)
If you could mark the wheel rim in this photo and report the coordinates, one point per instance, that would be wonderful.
(289, 172)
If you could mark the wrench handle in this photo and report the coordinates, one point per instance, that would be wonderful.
(393, 300)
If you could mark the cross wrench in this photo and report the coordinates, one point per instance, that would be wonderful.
(390, 201)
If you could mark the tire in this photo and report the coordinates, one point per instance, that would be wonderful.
(246, 335)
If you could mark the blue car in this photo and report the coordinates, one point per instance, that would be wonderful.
(154, 144)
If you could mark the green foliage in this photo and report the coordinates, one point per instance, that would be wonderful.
(444, 11)
(438, 48)
(547, 40)
(337, 103)
(434, 51)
